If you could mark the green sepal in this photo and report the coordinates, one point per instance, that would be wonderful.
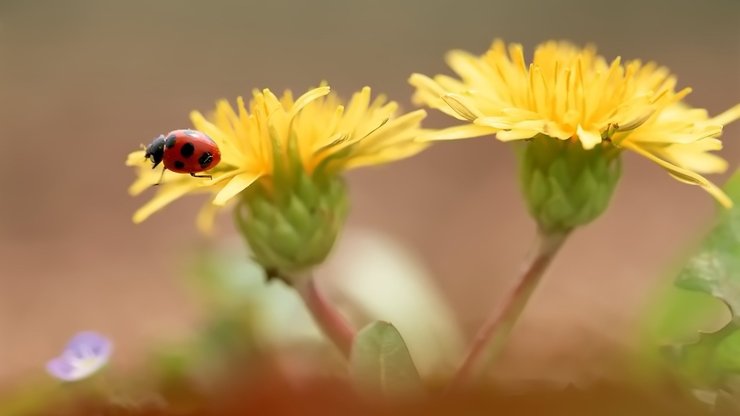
(565, 185)
(291, 229)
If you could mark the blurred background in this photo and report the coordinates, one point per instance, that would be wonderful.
(82, 83)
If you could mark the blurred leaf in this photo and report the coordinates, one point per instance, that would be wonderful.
(224, 278)
(727, 356)
(678, 314)
(728, 400)
(715, 270)
(31, 397)
(380, 361)
(701, 363)
(376, 278)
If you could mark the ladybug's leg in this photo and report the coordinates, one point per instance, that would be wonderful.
(201, 176)
(160, 176)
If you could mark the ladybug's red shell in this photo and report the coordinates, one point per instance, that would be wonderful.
(189, 151)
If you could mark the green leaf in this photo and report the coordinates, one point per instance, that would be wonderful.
(701, 363)
(727, 355)
(715, 270)
(380, 361)
(678, 314)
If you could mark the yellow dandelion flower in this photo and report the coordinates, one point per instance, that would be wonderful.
(255, 140)
(573, 94)
(281, 161)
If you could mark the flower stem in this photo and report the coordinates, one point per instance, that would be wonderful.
(491, 337)
(332, 323)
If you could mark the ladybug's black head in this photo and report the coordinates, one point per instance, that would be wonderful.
(155, 151)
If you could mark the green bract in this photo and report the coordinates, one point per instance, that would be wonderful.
(292, 229)
(564, 185)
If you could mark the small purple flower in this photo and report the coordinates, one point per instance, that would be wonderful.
(86, 353)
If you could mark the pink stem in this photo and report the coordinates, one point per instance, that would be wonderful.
(334, 325)
(492, 335)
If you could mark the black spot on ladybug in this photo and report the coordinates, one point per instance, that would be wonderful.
(170, 143)
(205, 159)
(179, 164)
(187, 150)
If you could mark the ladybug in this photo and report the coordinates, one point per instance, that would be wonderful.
(184, 151)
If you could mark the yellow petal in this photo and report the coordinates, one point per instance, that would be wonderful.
(237, 184)
(385, 155)
(356, 110)
(727, 117)
(427, 84)
(589, 138)
(457, 132)
(206, 217)
(516, 134)
(699, 162)
(495, 122)
(307, 98)
(683, 175)
(141, 184)
(136, 158)
(461, 106)
(167, 194)
(469, 67)
(217, 177)
(695, 156)
(430, 93)
(401, 129)
(272, 102)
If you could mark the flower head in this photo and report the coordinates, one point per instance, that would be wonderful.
(273, 138)
(572, 94)
(84, 355)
